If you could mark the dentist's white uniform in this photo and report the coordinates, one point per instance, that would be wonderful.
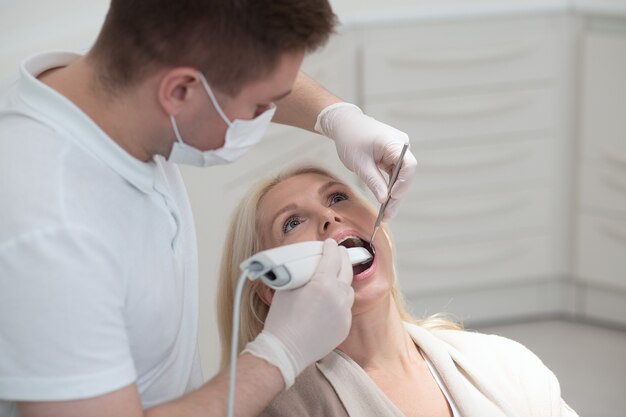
(93, 292)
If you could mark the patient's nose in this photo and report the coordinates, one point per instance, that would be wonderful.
(329, 222)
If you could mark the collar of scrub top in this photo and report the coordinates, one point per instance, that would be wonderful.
(56, 110)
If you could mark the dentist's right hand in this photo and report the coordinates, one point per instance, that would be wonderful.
(305, 324)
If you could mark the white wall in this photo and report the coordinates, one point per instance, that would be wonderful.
(30, 26)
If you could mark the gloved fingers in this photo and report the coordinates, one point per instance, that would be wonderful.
(345, 272)
(348, 299)
(390, 143)
(401, 187)
(388, 152)
(330, 263)
(406, 174)
(392, 209)
(373, 178)
(386, 156)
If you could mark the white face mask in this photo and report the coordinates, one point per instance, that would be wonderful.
(241, 135)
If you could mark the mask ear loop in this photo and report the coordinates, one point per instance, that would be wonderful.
(205, 83)
(175, 127)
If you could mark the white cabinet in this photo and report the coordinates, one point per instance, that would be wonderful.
(481, 101)
(485, 230)
(602, 251)
(459, 114)
(601, 247)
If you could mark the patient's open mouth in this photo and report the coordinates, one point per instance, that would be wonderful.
(355, 241)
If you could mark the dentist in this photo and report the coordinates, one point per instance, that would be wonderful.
(98, 259)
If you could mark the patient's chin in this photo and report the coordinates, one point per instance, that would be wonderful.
(370, 295)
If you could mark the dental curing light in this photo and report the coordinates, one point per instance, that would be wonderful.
(292, 266)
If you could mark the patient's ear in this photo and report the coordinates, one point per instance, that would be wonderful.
(265, 293)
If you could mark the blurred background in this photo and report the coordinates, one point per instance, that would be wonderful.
(516, 109)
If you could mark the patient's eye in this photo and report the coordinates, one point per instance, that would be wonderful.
(337, 197)
(291, 223)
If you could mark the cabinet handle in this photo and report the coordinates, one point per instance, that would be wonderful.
(613, 183)
(467, 259)
(461, 108)
(473, 208)
(616, 156)
(454, 57)
(614, 234)
(477, 160)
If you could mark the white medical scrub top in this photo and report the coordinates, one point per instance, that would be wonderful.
(98, 257)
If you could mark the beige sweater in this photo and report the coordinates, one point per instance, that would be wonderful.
(485, 375)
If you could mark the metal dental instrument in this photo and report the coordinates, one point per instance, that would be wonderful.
(383, 206)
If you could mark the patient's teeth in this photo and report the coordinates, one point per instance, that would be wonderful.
(353, 239)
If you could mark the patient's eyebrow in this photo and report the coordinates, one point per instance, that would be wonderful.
(288, 207)
(328, 185)
(293, 206)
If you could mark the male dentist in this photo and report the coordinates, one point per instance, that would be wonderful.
(98, 261)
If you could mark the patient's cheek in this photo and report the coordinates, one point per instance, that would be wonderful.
(266, 294)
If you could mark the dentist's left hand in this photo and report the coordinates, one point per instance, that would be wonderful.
(305, 324)
(365, 146)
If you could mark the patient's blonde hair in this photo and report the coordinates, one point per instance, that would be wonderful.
(244, 240)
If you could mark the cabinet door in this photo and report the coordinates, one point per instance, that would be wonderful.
(601, 245)
(485, 113)
(601, 257)
(474, 214)
(603, 93)
(603, 123)
(470, 162)
(603, 183)
(427, 268)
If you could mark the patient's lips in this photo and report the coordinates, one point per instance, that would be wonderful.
(351, 239)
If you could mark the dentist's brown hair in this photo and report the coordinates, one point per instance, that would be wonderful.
(232, 42)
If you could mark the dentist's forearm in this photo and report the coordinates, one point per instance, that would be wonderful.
(306, 101)
(257, 383)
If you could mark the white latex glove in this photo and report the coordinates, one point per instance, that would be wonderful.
(305, 324)
(365, 146)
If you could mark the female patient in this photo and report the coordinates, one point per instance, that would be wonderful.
(390, 364)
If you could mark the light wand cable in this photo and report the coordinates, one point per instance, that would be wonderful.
(254, 271)
(234, 342)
